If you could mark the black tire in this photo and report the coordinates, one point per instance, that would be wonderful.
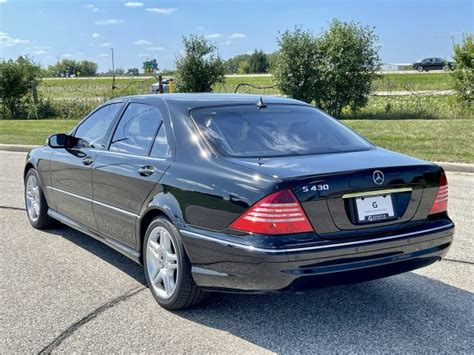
(420, 69)
(186, 293)
(43, 220)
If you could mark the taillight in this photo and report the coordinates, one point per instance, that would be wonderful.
(278, 213)
(440, 203)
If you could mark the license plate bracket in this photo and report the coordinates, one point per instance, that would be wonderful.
(372, 209)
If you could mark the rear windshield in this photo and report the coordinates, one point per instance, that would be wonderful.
(276, 130)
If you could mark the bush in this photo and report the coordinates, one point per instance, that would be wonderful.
(347, 65)
(200, 67)
(463, 74)
(294, 69)
(64, 109)
(335, 69)
(16, 79)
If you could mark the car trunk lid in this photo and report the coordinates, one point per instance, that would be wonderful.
(338, 191)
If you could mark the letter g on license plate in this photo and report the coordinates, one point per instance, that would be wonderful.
(374, 208)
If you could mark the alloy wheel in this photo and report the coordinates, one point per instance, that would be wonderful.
(33, 198)
(162, 262)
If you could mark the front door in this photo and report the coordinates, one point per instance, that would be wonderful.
(126, 174)
(71, 169)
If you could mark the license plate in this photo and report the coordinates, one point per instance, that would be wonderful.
(374, 208)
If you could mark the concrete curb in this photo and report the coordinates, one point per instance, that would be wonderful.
(17, 147)
(453, 167)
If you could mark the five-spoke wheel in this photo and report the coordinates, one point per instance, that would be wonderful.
(167, 267)
(162, 262)
(35, 203)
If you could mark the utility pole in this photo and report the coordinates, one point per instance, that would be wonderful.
(113, 69)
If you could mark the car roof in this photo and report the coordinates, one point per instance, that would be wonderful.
(195, 100)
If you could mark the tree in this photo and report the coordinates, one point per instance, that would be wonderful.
(71, 67)
(258, 62)
(463, 73)
(16, 78)
(348, 62)
(200, 67)
(295, 71)
(232, 64)
(133, 72)
(87, 68)
(244, 67)
(335, 69)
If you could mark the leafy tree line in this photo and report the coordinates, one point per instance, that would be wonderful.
(334, 69)
(70, 67)
(256, 63)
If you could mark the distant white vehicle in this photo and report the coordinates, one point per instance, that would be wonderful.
(155, 88)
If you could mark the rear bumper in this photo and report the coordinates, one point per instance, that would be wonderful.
(220, 264)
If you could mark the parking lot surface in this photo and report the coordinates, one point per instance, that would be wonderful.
(62, 291)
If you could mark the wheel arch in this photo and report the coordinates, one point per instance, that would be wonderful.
(28, 166)
(143, 223)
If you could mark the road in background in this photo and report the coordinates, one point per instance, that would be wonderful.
(62, 290)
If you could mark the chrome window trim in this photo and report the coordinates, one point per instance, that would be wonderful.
(93, 201)
(318, 247)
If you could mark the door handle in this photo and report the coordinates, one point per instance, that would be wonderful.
(146, 170)
(87, 160)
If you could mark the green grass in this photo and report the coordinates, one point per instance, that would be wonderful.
(101, 87)
(413, 82)
(411, 107)
(435, 140)
(32, 131)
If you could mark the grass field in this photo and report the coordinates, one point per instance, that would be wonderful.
(436, 140)
(101, 87)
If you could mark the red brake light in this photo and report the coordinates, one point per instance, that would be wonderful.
(278, 213)
(440, 203)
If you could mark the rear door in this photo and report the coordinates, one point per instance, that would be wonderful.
(125, 174)
(71, 182)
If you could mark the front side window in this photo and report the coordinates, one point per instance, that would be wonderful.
(94, 129)
(136, 130)
(277, 130)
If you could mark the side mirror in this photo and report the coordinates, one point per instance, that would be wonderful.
(59, 140)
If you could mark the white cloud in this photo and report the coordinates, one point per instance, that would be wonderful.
(133, 4)
(214, 35)
(142, 42)
(67, 55)
(226, 43)
(3, 1)
(39, 52)
(200, 28)
(162, 11)
(95, 35)
(91, 7)
(237, 35)
(144, 55)
(102, 55)
(110, 21)
(104, 44)
(155, 49)
(8, 41)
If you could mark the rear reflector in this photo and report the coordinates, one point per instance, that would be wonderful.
(278, 213)
(440, 203)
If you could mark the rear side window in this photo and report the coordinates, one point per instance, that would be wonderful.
(136, 130)
(277, 130)
(94, 129)
(161, 148)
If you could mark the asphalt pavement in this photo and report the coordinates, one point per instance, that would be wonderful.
(62, 291)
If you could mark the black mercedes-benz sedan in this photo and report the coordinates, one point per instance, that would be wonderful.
(240, 193)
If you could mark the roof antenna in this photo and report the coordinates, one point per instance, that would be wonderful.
(260, 104)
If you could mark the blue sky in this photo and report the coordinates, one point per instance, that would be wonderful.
(141, 29)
